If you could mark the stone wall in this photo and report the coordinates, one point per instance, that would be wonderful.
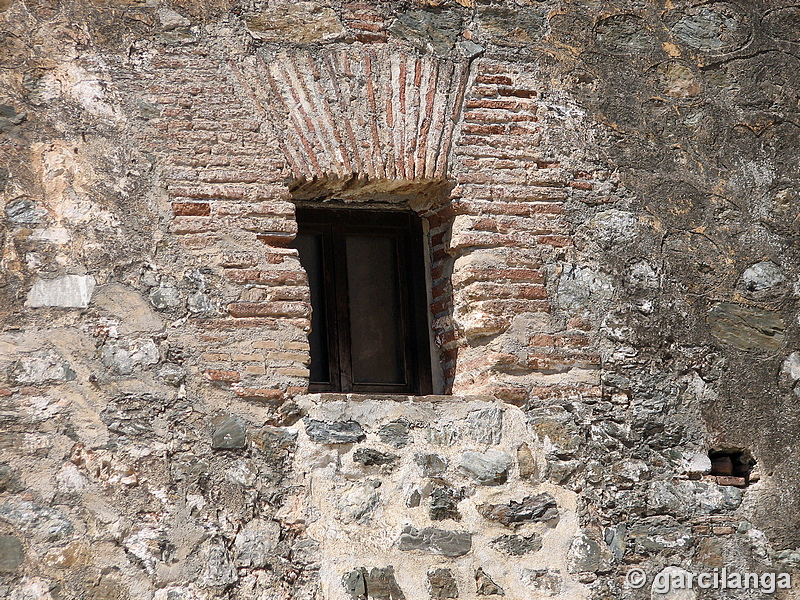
(611, 204)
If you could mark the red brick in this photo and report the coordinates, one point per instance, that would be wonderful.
(260, 394)
(723, 530)
(511, 394)
(268, 277)
(521, 130)
(371, 38)
(504, 104)
(191, 209)
(494, 79)
(580, 323)
(557, 241)
(518, 93)
(730, 480)
(484, 129)
(229, 176)
(572, 340)
(269, 309)
(499, 117)
(241, 323)
(184, 225)
(374, 27)
(227, 376)
(580, 185)
(276, 239)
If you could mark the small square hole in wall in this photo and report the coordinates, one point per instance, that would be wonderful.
(732, 467)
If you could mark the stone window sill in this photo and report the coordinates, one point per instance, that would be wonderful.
(339, 397)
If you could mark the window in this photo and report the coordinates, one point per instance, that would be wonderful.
(369, 327)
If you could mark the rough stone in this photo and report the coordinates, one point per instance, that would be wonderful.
(40, 367)
(715, 27)
(429, 30)
(588, 553)
(370, 457)
(67, 291)
(125, 356)
(172, 20)
(611, 229)
(528, 469)
(506, 26)
(40, 523)
(296, 22)
(698, 464)
(255, 542)
(337, 432)
(763, 280)
(747, 328)
(579, 287)
(6, 476)
(10, 117)
(543, 581)
(382, 585)
(132, 414)
(615, 538)
(355, 584)
(218, 568)
(357, 502)
(444, 504)
(396, 434)
(25, 212)
(790, 372)
(517, 545)
(172, 374)
(229, 434)
(12, 554)
(200, 304)
(669, 574)
(485, 586)
(436, 541)
(443, 434)
(541, 507)
(165, 297)
(127, 305)
(625, 33)
(442, 584)
(274, 441)
(485, 426)
(489, 468)
(432, 465)
(655, 534)
(243, 472)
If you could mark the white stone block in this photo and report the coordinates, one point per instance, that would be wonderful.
(67, 291)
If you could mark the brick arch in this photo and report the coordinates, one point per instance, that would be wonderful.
(359, 123)
(231, 135)
(377, 114)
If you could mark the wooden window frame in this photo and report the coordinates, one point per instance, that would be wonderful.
(406, 228)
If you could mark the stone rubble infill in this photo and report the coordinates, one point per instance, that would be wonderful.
(436, 541)
(442, 584)
(489, 468)
(532, 508)
(485, 585)
(396, 434)
(517, 545)
(340, 432)
(370, 457)
(376, 583)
